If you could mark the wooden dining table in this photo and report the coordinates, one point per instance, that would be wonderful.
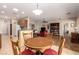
(39, 43)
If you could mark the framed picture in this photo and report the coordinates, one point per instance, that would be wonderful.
(23, 22)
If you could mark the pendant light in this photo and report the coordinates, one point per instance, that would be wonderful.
(37, 11)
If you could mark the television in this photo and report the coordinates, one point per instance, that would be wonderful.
(43, 29)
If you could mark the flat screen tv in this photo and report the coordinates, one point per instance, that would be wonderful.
(43, 29)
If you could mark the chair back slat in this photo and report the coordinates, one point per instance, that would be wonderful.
(62, 42)
(15, 47)
(23, 38)
(27, 35)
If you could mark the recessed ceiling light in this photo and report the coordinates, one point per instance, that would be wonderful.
(22, 12)
(15, 9)
(4, 6)
(6, 17)
(2, 12)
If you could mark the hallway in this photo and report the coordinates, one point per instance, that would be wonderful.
(6, 46)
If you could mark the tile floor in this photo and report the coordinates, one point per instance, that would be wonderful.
(7, 48)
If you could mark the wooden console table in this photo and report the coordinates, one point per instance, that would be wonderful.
(75, 37)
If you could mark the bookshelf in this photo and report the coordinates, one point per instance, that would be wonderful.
(54, 28)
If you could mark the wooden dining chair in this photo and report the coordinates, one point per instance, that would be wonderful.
(16, 49)
(23, 36)
(62, 42)
(15, 46)
(52, 51)
(27, 35)
(27, 52)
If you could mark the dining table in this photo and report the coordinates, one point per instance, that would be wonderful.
(39, 43)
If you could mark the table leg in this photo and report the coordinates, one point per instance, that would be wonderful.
(38, 52)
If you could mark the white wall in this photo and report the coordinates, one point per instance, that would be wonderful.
(77, 24)
(39, 24)
(62, 23)
(14, 27)
(4, 26)
(70, 28)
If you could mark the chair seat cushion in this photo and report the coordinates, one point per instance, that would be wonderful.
(50, 52)
(27, 52)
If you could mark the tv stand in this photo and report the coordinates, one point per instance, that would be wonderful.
(75, 37)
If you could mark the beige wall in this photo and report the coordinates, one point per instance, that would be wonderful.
(77, 24)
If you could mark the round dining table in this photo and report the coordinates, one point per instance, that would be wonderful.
(39, 43)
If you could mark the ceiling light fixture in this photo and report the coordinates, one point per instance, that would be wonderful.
(2, 12)
(6, 17)
(37, 11)
(22, 12)
(15, 9)
(4, 6)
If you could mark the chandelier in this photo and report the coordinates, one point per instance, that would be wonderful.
(37, 11)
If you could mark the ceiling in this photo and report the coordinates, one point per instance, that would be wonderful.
(51, 11)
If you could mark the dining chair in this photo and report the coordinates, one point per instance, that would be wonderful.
(27, 52)
(27, 35)
(23, 36)
(52, 51)
(16, 49)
